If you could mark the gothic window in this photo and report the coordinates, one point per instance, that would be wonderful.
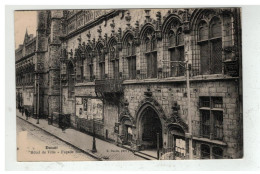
(210, 43)
(114, 59)
(131, 57)
(211, 111)
(176, 52)
(101, 61)
(151, 53)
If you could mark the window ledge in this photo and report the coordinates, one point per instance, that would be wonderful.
(85, 84)
(181, 79)
(218, 142)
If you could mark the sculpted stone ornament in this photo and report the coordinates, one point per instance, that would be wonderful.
(126, 114)
(176, 119)
(99, 30)
(112, 25)
(128, 19)
(148, 93)
(71, 53)
(88, 36)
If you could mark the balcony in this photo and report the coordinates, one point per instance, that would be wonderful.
(109, 86)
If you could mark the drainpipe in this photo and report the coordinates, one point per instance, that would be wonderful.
(188, 66)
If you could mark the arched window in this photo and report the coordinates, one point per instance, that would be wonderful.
(210, 43)
(101, 61)
(151, 52)
(114, 60)
(176, 50)
(71, 79)
(131, 56)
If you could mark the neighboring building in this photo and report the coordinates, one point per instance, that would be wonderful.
(25, 79)
(127, 69)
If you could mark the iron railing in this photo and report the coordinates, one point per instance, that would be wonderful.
(109, 86)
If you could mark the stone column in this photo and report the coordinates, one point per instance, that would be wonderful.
(54, 61)
(41, 50)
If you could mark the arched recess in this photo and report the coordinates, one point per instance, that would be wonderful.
(126, 126)
(150, 119)
(144, 28)
(168, 22)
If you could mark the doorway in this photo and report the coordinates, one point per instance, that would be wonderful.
(127, 132)
(150, 128)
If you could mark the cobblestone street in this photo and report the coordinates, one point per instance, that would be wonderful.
(82, 141)
(36, 145)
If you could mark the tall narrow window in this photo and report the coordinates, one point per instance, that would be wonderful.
(211, 112)
(101, 62)
(151, 53)
(131, 57)
(89, 57)
(176, 51)
(114, 59)
(79, 64)
(210, 43)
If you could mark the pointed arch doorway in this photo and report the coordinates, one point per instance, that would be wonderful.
(149, 126)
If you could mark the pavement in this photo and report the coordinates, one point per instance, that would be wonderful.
(32, 144)
(106, 151)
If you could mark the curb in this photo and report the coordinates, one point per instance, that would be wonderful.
(84, 151)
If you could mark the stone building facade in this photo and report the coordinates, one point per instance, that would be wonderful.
(25, 63)
(146, 77)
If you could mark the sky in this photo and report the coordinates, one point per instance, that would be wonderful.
(23, 20)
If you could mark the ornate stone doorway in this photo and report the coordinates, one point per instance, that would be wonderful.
(177, 141)
(149, 126)
(127, 132)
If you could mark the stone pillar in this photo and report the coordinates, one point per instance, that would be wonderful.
(41, 48)
(54, 61)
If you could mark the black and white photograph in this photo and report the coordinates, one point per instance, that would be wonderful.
(128, 84)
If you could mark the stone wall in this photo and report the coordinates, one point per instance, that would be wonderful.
(168, 93)
(165, 90)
